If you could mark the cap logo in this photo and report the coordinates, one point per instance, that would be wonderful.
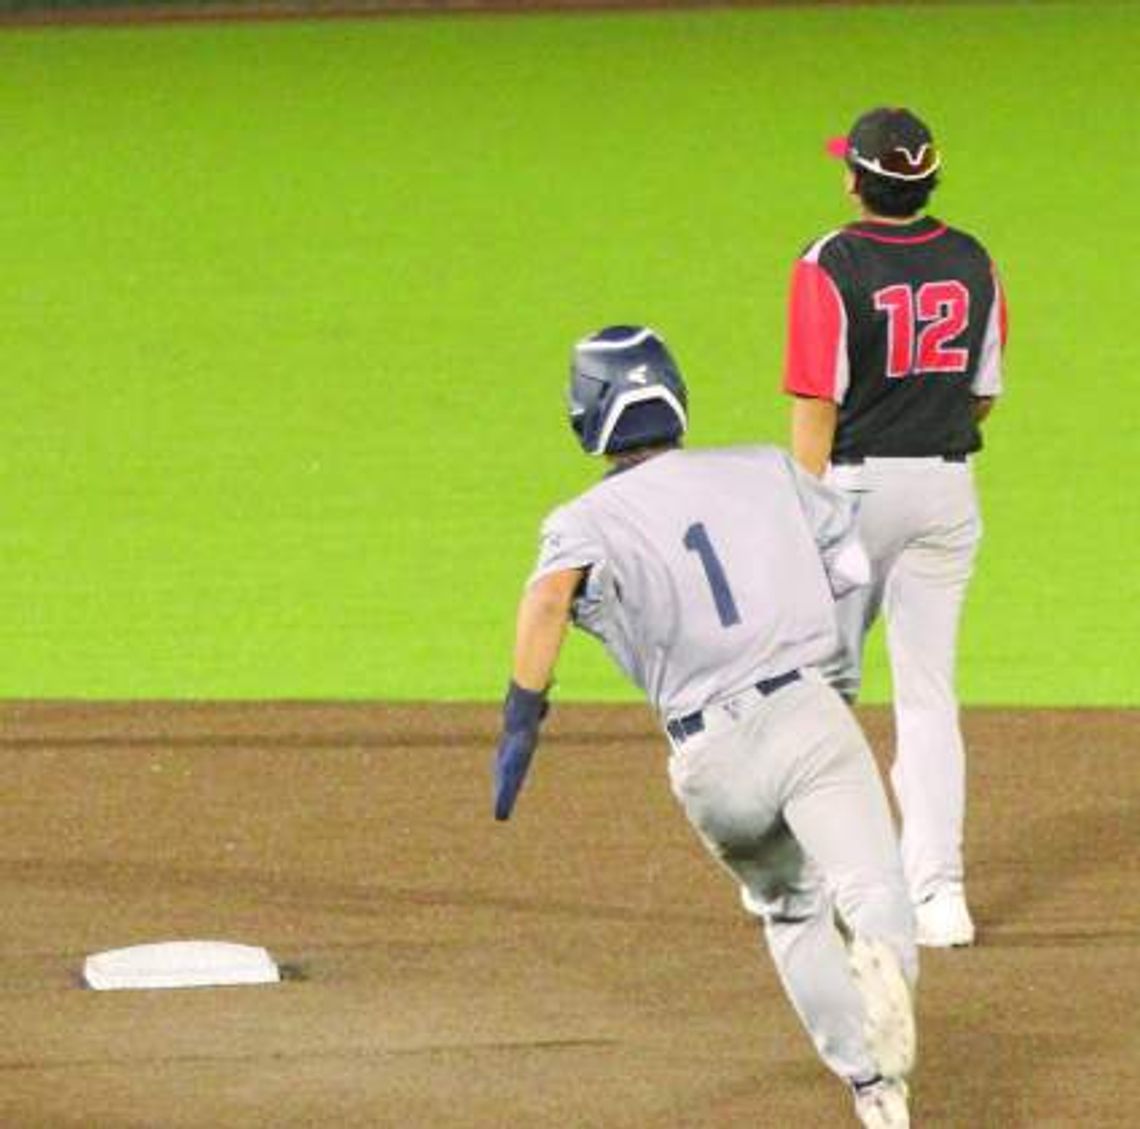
(638, 375)
(917, 157)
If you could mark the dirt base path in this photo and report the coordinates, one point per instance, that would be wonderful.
(583, 965)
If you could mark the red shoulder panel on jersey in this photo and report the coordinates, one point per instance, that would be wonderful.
(816, 361)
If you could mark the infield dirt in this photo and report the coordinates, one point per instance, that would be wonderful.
(585, 964)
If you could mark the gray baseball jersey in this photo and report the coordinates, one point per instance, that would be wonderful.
(708, 570)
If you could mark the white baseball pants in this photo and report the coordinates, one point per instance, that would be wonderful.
(920, 525)
(784, 792)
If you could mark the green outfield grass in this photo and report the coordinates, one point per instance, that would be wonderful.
(286, 311)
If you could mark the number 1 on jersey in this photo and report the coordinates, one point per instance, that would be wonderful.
(697, 541)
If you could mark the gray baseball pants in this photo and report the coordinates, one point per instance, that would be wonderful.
(920, 525)
(784, 792)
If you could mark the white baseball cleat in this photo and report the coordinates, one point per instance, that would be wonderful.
(943, 920)
(883, 1104)
(889, 1022)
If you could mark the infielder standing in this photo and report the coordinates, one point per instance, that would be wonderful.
(710, 577)
(897, 325)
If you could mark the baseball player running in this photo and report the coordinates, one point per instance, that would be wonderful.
(897, 326)
(710, 578)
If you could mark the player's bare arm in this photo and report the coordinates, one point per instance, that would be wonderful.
(544, 612)
(983, 405)
(543, 615)
(813, 432)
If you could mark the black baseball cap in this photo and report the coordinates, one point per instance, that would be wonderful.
(891, 142)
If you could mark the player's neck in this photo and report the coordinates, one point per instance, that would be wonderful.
(867, 216)
(624, 460)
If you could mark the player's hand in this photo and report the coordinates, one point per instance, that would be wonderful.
(523, 712)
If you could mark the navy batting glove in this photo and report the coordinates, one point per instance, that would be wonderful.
(524, 709)
(512, 761)
(523, 712)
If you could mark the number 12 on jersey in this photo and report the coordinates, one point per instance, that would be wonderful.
(921, 326)
(697, 541)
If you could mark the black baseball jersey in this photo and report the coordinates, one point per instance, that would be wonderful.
(902, 326)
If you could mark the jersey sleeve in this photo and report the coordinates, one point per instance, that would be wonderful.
(831, 518)
(815, 362)
(566, 543)
(988, 378)
(569, 543)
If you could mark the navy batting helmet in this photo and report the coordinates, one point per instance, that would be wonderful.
(625, 391)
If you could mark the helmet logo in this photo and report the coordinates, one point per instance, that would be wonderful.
(639, 375)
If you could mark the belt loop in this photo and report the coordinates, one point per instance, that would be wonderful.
(680, 729)
(768, 686)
